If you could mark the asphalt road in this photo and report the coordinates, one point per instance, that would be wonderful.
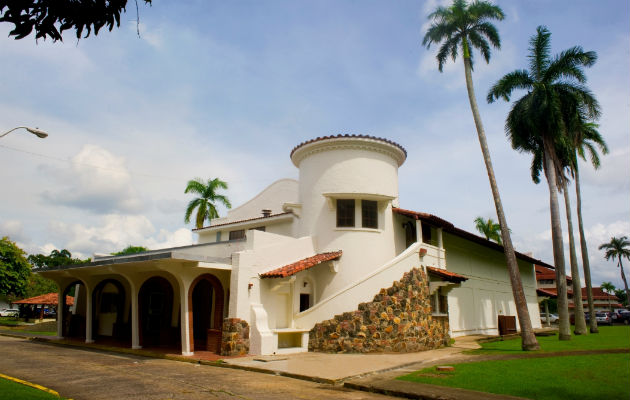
(85, 374)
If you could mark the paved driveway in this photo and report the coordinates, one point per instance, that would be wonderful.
(82, 374)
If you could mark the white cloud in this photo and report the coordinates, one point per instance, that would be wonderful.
(114, 233)
(14, 229)
(97, 181)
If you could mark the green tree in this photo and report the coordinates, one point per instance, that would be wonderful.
(489, 229)
(536, 124)
(49, 18)
(205, 203)
(14, 269)
(584, 138)
(609, 288)
(619, 248)
(130, 250)
(38, 284)
(622, 296)
(464, 27)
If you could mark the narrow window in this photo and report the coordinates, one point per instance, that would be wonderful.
(443, 303)
(219, 236)
(345, 213)
(259, 228)
(240, 234)
(369, 214)
(305, 301)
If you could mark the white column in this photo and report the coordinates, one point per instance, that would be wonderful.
(440, 246)
(419, 231)
(88, 315)
(61, 312)
(185, 322)
(135, 317)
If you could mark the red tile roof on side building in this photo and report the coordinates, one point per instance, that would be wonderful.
(294, 268)
(45, 299)
(447, 275)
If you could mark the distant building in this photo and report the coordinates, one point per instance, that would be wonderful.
(602, 301)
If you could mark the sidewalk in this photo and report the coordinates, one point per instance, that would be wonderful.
(337, 368)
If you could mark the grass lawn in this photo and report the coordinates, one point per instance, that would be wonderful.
(9, 321)
(609, 337)
(17, 391)
(601, 376)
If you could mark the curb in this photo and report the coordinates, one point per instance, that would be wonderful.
(33, 385)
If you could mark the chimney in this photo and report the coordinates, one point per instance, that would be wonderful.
(266, 213)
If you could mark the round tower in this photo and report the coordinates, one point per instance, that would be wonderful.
(347, 186)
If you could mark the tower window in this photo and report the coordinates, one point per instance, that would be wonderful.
(369, 214)
(345, 212)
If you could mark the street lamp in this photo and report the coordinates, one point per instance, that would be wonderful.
(35, 131)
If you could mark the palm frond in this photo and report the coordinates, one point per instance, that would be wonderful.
(490, 32)
(518, 79)
(478, 42)
(195, 186)
(539, 51)
(568, 65)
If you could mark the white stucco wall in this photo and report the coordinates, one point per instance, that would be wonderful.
(474, 307)
(351, 168)
(273, 197)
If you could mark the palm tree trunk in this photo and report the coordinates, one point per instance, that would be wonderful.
(623, 278)
(558, 247)
(529, 341)
(580, 322)
(584, 250)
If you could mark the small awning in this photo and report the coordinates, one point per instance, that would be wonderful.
(547, 293)
(446, 275)
(50, 299)
(304, 264)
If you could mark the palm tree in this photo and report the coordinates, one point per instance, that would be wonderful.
(466, 27)
(205, 204)
(609, 288)
(618, 248)
(536, 124)
(488, 228)
(584, 137)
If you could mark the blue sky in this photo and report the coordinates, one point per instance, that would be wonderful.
(227, 89)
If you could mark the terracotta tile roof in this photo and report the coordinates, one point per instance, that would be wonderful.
(342, 136)
(598, 294)
(242, 220)
(48, 298)
(547, 273)
(547, 292)
(447, 275)
(450, 228)
(294, 268)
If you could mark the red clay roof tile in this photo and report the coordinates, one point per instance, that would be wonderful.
(447, 275)
(294, 268)
(48, 298)
(342, 136)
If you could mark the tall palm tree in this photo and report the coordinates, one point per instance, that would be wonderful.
(464, 27)
(585, 137)
(488, 228)
(205, 204)
(609, 288)
(618, 248)
(536, 122)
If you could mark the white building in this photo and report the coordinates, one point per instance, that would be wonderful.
(330, 260)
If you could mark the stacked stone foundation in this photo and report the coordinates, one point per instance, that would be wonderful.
(398, 319)
(235, 337)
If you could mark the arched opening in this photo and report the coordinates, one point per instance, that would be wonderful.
(155, 303)
(73, 322)
(205, 299)
(108, 311)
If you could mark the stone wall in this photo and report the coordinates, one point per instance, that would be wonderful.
(235, 337)
(397, 320)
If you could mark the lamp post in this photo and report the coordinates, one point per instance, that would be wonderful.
(35, 131)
